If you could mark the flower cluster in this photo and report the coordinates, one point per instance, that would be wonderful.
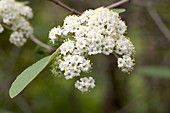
(125, 63)
(85, 83)
(72, 65)
(99, 31)
(14, 16)
(69, 62)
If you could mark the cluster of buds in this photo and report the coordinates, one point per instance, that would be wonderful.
(99, 31)
(14, 16)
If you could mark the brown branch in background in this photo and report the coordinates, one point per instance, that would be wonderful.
(156, 18)
(121, 2)
(35, 40)
(158, 21)
(66, 7)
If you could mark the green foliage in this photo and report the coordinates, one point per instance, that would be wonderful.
(118, 10)
(40, 50)
(5, 111)
(155, 71)
(29, 74)
(137, 93)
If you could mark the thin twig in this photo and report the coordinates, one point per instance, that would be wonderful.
(35, 40)
(66, 7)
(117, 4)
(156, 18)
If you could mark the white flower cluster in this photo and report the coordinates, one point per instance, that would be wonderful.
(69, 63)
(72, 65)
(126, 63)
(14, 16)
(85, 83)
(94, 32)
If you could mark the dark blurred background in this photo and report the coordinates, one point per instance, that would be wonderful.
(145, 90)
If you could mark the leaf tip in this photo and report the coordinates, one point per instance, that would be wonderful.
(10, 94)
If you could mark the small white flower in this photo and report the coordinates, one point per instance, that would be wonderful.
(121, 62)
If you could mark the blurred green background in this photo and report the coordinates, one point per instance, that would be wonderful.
(146, 90)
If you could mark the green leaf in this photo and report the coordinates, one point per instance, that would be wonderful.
(25, 2)
(29, 74)
(155, 71)
(118, 10)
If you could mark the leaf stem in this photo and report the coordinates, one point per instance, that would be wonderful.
(35, 40)
(7, 27)
(116, 55)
